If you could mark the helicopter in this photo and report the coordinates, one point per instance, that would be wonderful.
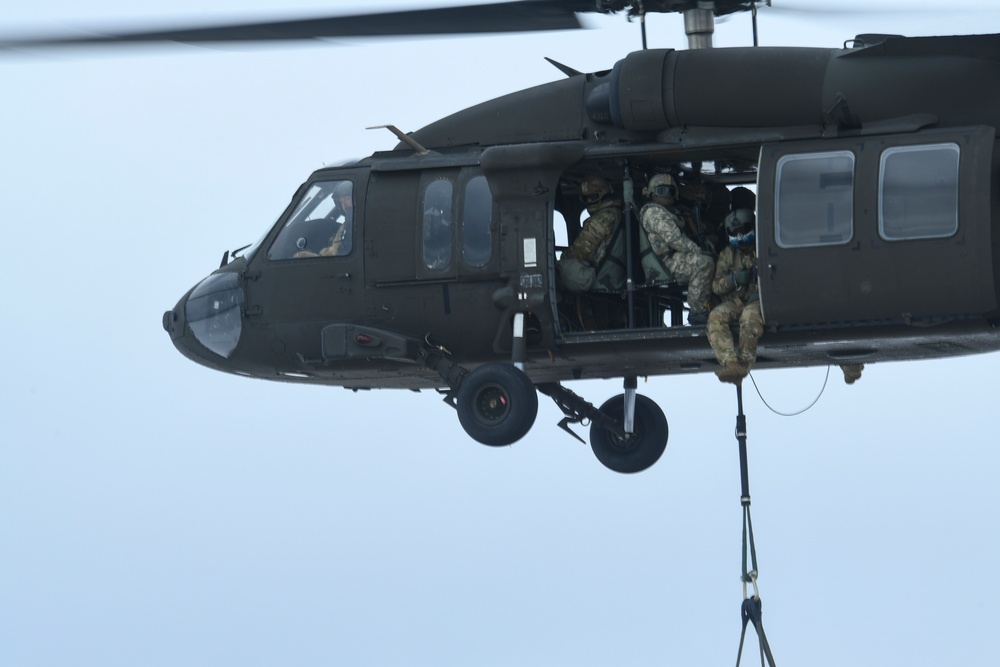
(872, 166)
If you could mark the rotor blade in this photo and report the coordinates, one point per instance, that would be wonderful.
(789, 7)
(523, 16)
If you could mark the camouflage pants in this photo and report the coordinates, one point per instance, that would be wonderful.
(720, 337)
(697, 271)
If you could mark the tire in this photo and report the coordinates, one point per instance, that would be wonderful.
(641, 449)
(497, 404)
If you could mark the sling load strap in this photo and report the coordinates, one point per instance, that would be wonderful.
(749, 576)
(751, 609)
(751, 614)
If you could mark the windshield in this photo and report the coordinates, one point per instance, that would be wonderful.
(321, 225)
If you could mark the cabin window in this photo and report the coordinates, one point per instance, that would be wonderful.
(437, 236)
(477, 214)
(321, 224)
(918, 192)
(814, 199)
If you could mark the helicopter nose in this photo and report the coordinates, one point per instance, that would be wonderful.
(173, 321)
(211, 312)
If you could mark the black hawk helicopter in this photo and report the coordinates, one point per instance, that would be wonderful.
(433, 265)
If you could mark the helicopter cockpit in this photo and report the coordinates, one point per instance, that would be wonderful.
(321, 224)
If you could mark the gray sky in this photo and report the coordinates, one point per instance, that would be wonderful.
(153, 512)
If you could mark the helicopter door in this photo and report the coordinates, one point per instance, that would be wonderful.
(312, 271)
(889, 228)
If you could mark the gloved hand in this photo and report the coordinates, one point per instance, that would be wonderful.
(753, 298)
(742, 277)
(738, 279)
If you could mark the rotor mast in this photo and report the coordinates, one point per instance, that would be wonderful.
(699, 25)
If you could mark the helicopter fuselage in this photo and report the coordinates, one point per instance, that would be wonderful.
(874, 169)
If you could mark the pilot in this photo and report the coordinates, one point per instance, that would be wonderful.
(685, 260)
(736, 283)
(343, 212)
(344, 200)
(596, 258)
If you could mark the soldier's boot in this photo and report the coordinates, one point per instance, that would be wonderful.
(732, 370)
(852, 372)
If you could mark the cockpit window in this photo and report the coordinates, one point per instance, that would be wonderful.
(322, 224)
(477, 214)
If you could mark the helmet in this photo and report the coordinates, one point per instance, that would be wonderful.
(742, 197)
(740, 220)
(662, 185)
(342, 189)
(740, 226)
(593, 189)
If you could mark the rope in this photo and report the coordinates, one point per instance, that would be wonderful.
(751, 608)
(822, 390)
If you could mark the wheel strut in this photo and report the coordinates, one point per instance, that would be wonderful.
(577, 409)
(630, 386)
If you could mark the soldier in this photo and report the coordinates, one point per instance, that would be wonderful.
(735, 281)
(679, 254)
(343, 199)
(596, 256)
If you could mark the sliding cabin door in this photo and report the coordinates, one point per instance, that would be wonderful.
(876, 229)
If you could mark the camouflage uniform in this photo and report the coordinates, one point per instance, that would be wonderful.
(679, 254)
(597, 246)
(600, 246)
(591, 244)
(740, 303)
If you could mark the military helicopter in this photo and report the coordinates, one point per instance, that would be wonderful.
(433, 265)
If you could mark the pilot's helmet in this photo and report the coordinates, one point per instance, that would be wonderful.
(594, 189)
(740, 227)
(662, 185)
(342, 189)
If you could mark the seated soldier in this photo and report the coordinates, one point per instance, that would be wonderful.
(679, 254)
(596, 259)
(735, 282)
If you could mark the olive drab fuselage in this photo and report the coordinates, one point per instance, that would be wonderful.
(876, 176)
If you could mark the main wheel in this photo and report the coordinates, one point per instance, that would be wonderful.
(497, 404)
(638, 450)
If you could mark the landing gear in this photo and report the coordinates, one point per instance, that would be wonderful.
(496, 404)
(635, 451)
(621, 444)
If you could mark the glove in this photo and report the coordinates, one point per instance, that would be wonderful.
(738, 279)
(753, 298)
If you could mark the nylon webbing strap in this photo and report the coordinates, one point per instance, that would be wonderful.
(749, 576)
(751, 614)
(751, 609)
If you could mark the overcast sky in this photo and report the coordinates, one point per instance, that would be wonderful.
(154, 512)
